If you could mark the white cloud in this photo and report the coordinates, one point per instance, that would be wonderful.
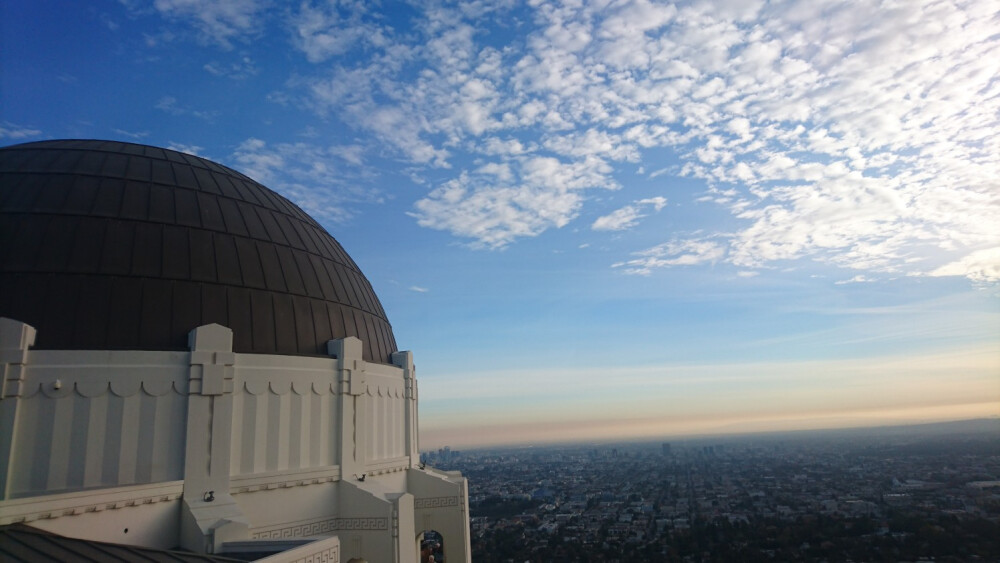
(981, 265)
(502, 171)
(509, 147)
(240, 69)
(189, 149)
(628, 216)
(856, 279)
(675, 253)
(257, 161)
(494, 216)
(657, 202)
(132, 134)
(418, 289)
(307, 174)
(326, 31)
(593, 143)
(217, 21)
(169, 105)
(10, 130)
(502, 202)
(859, 135)
(618, 220)
(554, 174)
(740, 127)
(349, 94)
(353, 154)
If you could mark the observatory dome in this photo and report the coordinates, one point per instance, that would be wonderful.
(117, 246)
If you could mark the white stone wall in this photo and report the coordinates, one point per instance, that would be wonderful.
(285, 412)
(442, 504)
(385, 400)
(99, 419)
(206, 447)
(87, 419)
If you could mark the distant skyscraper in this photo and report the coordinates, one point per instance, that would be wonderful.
(665, 448)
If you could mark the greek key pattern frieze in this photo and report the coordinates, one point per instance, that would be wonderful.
(325, 527)
(331, 555)
(436, 502)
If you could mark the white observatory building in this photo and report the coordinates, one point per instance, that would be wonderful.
(190, 362)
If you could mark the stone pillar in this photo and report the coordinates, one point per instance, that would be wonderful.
(403, 530)
(404, 360)
(210, 516)
(15, 340)
(351, 387)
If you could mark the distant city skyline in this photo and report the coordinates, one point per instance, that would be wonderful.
(851, 494)
(638, 220)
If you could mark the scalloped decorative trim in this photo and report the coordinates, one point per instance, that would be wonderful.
(121, 387)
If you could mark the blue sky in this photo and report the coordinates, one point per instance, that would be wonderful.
(595, 220)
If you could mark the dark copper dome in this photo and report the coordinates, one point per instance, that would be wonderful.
(117, 246)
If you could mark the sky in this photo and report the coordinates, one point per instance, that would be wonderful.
(595, 220)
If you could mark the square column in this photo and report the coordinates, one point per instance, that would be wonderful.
(15, 340)
(210, 516)
(351, 386)
(404, 360)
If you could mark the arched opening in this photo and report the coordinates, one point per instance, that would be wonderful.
(431, 544)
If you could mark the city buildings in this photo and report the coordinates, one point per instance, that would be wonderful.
(862, 495)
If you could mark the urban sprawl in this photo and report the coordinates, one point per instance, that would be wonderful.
(928, 493)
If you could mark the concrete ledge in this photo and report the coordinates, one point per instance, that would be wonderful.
(80, 502)
(279, 479)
